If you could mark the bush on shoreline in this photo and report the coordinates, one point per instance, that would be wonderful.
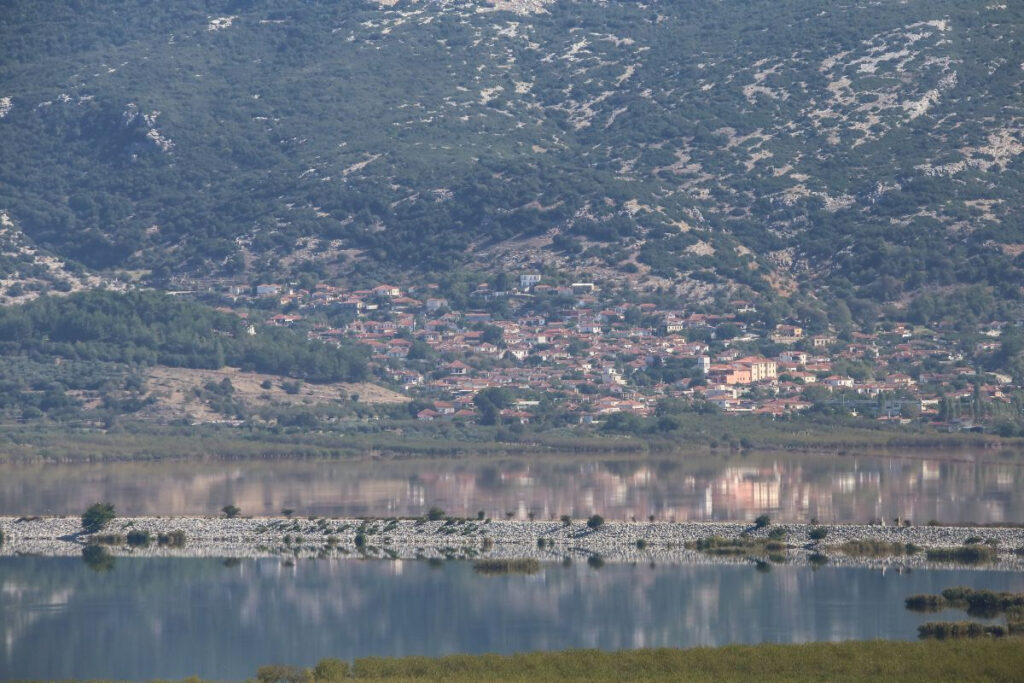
(97, 516)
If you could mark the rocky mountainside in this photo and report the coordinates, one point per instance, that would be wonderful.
(871, 148)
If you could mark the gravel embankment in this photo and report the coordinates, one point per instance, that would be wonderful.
(408, 539)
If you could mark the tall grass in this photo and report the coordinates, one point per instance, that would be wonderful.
(873, 548)
(497, 566)
(929, 660)
(967, 554)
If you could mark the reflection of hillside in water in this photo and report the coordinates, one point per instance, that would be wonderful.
(731, 487)
(170, 618)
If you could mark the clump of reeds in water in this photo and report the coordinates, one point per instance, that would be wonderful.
(925, 603)
(966, 554)
(942, 630)
(874, 548)
(977, 603)
(507, 566)
(718, 545)
(983, 602)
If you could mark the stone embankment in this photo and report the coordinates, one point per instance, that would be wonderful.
(468, 539)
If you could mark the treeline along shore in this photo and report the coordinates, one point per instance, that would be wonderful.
(589, 539)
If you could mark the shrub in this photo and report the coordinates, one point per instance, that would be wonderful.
(641, 544)
(761, 521)
(360, 540)
(595, 522)
(330, 671)
(566, 520)
(435, 514)
(231, 511)
(595, 561)
(925, 603)
(97, 516)
(479, 515)
(139, 538)
(1, 537)
(107, 539)
(777, 534)
(279, 673)
(818, 533)
(287, 512)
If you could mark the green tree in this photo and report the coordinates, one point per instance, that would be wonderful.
(231, 511)
(96, 516)
(490, 403)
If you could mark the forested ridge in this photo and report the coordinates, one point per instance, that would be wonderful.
(149, 328)
(873, 149)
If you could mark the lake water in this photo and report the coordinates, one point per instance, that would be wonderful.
(981, 487)
(158, 617)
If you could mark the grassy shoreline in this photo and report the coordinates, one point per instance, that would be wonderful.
(995, 660)
(710, 435)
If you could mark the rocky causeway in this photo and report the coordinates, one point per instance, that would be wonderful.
(552, 541)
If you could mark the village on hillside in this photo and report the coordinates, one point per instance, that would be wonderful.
(590, 357)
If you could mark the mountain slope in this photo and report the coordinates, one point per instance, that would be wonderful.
(874, 148)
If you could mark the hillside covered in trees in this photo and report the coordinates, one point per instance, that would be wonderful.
(60, 354)
(871, 149)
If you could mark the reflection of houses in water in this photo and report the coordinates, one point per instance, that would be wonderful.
(739, 491)
(931, 471)
(1004, 478)
(789, 488)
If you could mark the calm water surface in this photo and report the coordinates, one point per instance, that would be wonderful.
(149, 617)
(981, 487)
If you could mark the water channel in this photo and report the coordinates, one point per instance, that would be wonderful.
(170, 618)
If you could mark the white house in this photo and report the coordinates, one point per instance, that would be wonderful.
(527, 280)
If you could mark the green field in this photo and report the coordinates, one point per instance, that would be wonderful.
(976, 660)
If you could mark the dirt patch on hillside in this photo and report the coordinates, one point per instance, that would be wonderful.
(174, 390)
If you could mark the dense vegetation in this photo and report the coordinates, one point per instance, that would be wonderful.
(871, 147)
(59, 355)
(146, 328)
(849, 661)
